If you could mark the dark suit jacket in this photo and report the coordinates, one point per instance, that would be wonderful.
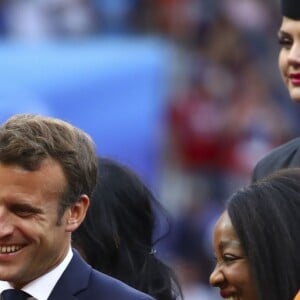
(80, 282)
(282, 157)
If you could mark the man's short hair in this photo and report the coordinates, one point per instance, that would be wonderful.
(28, 139)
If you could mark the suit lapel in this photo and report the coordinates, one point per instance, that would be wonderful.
(73, 280)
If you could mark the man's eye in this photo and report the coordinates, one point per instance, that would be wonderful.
(23, 213)
(24, 210)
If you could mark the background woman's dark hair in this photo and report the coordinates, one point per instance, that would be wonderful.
(266, 218)
(116, 236)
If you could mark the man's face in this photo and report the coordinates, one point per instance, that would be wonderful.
(232, 271)
(31, 241)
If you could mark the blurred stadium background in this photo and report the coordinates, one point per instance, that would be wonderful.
(186, 92)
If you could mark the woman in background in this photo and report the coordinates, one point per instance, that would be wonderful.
(117, 234)
(288, 154)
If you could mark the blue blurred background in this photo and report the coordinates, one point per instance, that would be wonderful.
(113, 88)
(187, 93)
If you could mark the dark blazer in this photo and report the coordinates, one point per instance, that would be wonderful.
(80, 282)
(282, 157)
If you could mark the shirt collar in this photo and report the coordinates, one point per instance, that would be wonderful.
(42, 287)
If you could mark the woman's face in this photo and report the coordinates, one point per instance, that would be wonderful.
(232, 272)
(289, 56)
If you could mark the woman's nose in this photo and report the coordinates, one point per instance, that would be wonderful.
(216, 278)
(294, 54)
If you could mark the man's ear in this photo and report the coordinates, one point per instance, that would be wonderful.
(75, 214)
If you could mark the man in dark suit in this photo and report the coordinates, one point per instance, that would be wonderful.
(80, 281)
(48, 171)
(287, 155)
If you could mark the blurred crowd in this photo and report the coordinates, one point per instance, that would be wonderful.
(226, 106)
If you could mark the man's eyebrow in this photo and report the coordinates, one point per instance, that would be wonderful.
(26, 207)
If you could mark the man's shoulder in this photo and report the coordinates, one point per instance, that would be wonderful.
(284, 156)
(116, 289)
(80, 281)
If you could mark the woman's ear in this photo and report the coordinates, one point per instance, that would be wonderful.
(76, 213)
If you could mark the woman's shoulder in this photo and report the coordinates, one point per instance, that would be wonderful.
(284, 156)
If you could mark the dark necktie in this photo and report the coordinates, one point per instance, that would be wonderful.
(13, 294)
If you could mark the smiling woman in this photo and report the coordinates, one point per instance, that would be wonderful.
(231, 263)
(256, 240)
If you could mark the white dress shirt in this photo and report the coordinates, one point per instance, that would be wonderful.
(42, 287)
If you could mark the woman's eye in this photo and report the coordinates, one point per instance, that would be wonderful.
(285, 42)
(228, 258)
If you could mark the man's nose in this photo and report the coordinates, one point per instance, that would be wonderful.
(6, 225)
